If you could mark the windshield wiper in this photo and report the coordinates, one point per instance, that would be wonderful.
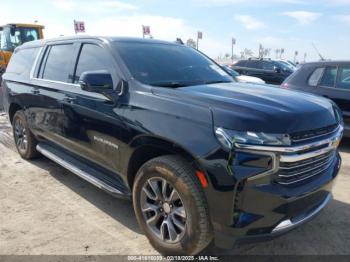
(173, 84)
(217, 82)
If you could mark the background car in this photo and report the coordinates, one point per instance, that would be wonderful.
(288, 63)
(271, 71)
(242, 78)
(330, 79)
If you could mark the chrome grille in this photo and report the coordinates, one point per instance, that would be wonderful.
(294, 172)
(312, 134)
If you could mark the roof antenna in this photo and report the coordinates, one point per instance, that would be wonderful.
(319, 54)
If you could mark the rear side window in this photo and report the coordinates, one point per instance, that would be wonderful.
(22, 61)
(344, 78)
(315, 76)
(92, 58)
(329, 77)
(267, 65)
(253, 64)
(57, 63)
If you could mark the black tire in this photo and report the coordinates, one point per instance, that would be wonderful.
(29, 150)
(197, 233)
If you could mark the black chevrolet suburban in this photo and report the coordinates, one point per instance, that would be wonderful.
(201, 157)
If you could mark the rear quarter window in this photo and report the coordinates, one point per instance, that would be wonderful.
(241, 63)
(22, 61)
(315, 76)
(254, 64)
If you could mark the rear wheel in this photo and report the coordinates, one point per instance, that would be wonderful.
(171, 207)
(24, 139)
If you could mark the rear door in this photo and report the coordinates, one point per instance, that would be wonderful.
(92, 126)
(49, 79)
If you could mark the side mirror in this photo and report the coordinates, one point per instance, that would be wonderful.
(96, 81)
(277, 69)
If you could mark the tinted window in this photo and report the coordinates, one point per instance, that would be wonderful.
(92, 58)
(253, 64)
(267, 65)
(57, 65)
(344, 78)
(329, 77)
(315, 76)
(22, 61)
(169, 65)
(241, 63)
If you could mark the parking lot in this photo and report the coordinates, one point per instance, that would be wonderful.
(45, 209)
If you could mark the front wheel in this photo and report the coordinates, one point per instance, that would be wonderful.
(171, 207)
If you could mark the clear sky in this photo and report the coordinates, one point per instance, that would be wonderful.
(291, 24)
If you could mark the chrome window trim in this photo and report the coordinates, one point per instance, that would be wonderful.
(77, 88)
(31, 74)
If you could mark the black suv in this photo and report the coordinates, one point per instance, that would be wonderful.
(330, 79)
(201, 157)
(272, 72)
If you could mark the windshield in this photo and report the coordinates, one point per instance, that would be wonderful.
(169, 65)
(284, 66)
(231, 71)
(11, 38)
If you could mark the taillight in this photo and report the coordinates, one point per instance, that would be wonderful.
(284, 85)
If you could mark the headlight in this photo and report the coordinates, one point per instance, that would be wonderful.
(228, 137)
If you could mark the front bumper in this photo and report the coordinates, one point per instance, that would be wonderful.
(253, 204)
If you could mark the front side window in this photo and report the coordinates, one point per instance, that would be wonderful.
(169, 65)
(315, 76)
(92, 58)
(22, 61)
(329, 77)
(57, 65)
(344, 78)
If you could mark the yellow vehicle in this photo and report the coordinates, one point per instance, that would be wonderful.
(13, 35)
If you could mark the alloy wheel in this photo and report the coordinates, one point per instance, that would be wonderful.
(20, 135)
(163, 210)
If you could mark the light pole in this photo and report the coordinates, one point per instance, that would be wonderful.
(295, 56)
(232, 44)
(199, 36)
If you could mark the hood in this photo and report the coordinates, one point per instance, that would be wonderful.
(249, 79)
(260, 108)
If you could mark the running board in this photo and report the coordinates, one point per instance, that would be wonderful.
(97, 178)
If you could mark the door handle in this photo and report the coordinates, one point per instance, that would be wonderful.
(69, 99)
(35, 91)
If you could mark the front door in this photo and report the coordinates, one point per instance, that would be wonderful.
(91, 123)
